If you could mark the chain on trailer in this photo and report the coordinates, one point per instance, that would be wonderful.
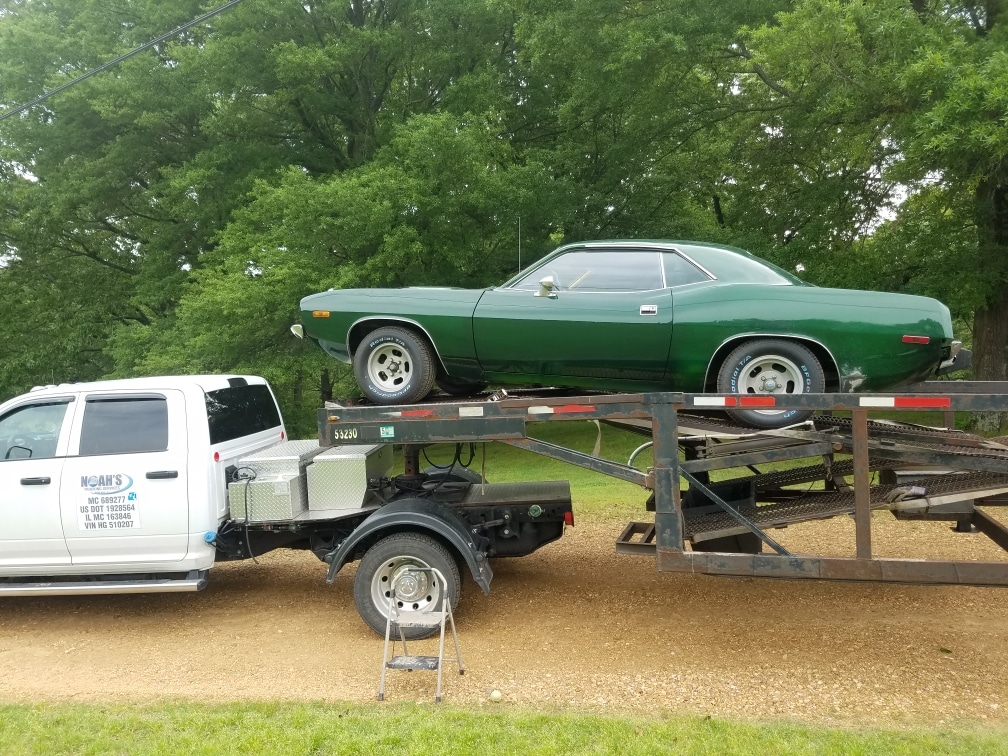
(713, 504)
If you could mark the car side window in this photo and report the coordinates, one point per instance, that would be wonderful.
(32, 430)
(599, 271)
(679, 271)
(124, 425)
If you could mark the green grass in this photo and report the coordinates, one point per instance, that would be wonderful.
(593, 493)
(401, 730)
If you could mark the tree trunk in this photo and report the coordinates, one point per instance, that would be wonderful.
(990, 323)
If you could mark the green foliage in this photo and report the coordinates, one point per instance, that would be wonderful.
(168, 214)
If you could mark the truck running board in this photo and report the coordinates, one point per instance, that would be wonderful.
(194, 580)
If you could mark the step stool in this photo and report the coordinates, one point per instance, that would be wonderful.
(438, 618)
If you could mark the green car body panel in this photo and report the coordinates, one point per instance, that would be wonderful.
(673, 336)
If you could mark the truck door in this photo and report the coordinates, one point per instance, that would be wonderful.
(124, 496)
(33, 440)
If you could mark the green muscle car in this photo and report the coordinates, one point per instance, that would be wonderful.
(636, 316)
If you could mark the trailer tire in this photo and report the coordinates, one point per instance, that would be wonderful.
(384, 563)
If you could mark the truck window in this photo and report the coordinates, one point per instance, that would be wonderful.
(241, 411)
(31, 431)
(124, 425)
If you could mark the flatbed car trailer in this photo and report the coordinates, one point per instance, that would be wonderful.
(721, 526)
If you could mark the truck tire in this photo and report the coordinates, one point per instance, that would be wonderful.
(385, 563)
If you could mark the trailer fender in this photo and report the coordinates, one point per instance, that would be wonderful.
(419, 516)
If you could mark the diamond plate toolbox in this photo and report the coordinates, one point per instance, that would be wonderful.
(337, 478)
(278, 490)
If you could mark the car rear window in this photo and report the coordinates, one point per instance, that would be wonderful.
(240, 411)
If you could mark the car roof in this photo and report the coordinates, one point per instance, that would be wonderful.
(726, 263)
(204, 382)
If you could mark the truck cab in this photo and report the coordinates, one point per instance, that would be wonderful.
(123, 480)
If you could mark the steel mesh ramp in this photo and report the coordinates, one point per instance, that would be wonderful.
(705, 523)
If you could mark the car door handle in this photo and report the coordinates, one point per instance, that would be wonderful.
(162, 474)
(44, 481)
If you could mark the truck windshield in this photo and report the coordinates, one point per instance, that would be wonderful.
(240, 411)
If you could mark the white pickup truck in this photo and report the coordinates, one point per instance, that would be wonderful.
(140, 485)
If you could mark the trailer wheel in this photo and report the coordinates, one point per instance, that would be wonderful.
(388, 563)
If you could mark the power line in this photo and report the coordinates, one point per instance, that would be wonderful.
(116, 61)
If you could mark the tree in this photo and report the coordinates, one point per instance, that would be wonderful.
(884, 162)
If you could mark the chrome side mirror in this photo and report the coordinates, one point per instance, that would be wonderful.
(546, 288)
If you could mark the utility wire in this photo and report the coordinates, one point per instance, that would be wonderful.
(105, 66)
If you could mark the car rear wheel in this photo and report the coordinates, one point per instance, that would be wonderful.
(765, 367)
(394, 366)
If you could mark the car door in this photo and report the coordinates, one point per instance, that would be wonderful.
(608, 316)
(33, 439)
(124, 496)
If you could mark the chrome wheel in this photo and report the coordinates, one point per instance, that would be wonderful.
(415, 591)
(772, 374)
(389, 367)
(402, 561)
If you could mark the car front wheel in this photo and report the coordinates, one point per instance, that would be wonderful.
(765, 367)
(394, 366)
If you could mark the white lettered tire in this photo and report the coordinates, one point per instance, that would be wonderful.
(394, 365)
(764, 367)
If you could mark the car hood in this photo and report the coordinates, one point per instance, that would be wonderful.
(375, 299)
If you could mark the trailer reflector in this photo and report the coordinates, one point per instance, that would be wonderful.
(470, 412)
(569, 518)
(757, 401)
(746, 400)
(410, 413)
(713, 401)
(907, 402)
(564, 409)
(916, 339)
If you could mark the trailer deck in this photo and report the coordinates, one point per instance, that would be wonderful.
(714, 507)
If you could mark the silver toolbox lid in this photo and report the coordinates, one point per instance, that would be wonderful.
(285, 458)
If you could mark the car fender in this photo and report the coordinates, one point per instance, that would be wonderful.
(420, 516)
(717, 357)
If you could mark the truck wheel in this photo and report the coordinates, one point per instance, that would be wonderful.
(387, 564)
(764, 367)
(394, 366)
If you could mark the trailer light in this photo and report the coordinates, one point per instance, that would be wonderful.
(569, 518)
(916, 339)
(216, 456)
